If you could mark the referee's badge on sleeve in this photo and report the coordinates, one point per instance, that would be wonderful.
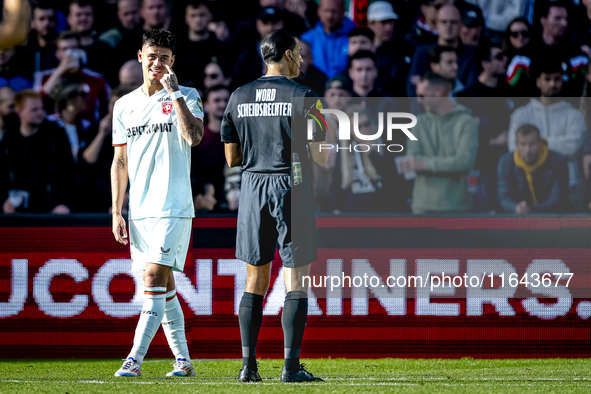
(166, 108)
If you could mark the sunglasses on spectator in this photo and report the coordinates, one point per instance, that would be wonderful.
(212, 76)
(522, 33)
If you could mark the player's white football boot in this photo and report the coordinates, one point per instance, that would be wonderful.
(130, 368)
(182, 367)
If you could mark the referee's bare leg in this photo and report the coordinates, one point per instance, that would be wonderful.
(250, 316)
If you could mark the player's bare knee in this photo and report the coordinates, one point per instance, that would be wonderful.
(170, 285)
(156, 275)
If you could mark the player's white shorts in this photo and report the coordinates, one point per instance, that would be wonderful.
(162, 241)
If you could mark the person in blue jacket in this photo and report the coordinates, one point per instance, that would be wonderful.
(329, 39)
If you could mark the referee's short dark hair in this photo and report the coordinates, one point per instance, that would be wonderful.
(362, 55)
(275, 44)
(160, 38)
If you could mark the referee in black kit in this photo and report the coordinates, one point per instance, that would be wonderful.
(257, 132)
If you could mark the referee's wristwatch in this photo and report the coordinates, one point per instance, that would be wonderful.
(176, 95)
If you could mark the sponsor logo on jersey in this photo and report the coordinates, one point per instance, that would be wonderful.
(149, 129)
(166, 108)
(165, 98)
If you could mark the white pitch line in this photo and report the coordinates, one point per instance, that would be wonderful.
(261, 383)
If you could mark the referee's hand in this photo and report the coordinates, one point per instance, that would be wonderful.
(170, 81)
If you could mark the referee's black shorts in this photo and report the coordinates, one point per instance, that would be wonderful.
(267, 217)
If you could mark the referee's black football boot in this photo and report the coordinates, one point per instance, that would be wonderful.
(248, 375)
(300, 376)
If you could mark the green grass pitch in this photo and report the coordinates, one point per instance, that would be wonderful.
(341, 375)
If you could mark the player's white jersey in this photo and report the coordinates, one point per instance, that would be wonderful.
(158, 157)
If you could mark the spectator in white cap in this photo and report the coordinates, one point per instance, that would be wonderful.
(381, 19)
(393, 52)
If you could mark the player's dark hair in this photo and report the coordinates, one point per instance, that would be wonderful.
(434, 55)
(275, 44)
(160, 38)
(80, 3)
(214, 88)
(527, 129)
(435, 79)
(362, 55)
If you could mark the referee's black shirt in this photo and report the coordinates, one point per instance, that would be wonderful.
(259, 117)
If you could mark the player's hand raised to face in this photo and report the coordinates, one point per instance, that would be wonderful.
(170, 81)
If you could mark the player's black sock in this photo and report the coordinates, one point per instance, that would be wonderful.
(250, 316)
(293, 320)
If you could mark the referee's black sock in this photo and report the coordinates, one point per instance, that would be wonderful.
(293, 320)
(250, 316)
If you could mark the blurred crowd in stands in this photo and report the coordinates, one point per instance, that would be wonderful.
(499, 88)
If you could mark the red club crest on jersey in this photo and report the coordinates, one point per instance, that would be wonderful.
(166, 108)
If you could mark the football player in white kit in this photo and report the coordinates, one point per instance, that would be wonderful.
(154, 128)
